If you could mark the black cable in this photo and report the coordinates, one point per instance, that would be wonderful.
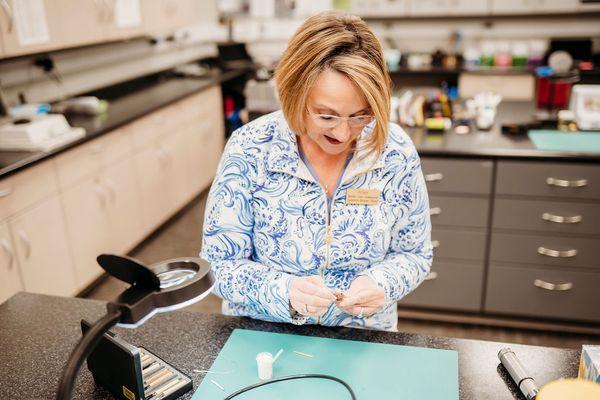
(288, 378)
(82, 351)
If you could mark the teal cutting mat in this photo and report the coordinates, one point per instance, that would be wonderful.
(373, 370)
(583, 142)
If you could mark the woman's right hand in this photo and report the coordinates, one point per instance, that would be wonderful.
(310, 296)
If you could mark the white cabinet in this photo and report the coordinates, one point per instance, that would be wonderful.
(83, 21)
(151, 166)
(10, 277)
(105, 196)
(206, 146)
(165, 16)
(86, 213)
(124, 212)
(469, 7)
(534, 6)
(42, 251)
(27, 30)
(428, 8)
(122, 27)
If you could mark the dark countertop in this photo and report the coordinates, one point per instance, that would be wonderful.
(478, 144)
(493, 144)
(38, 333)
(121, 110)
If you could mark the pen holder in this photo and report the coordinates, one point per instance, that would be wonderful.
(134, 373)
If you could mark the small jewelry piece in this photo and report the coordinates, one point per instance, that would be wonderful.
(217, 385)
(304, 354)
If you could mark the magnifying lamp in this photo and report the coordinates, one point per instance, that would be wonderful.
(161, 287)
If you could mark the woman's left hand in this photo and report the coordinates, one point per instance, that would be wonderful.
(363, 299)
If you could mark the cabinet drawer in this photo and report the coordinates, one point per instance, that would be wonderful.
(547, 216)
(577, 181)
(19, 191)
(450, 286)
(205, 105)
(458, 244)
(90, 157)
(458, 211)
(545, 250)
(150, 128)
(457, 176)
(543, 293)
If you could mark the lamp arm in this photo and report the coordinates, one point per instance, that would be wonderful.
(82, 351)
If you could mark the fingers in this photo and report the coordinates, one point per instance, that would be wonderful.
(363, 297)
(313, 301)
(310, 296)
(314, 286)
(364, 311)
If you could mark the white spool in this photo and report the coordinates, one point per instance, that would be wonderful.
(264, 362)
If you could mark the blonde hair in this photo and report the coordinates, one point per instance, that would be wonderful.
(343, 43)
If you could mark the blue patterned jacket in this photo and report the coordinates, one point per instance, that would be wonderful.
(267, 220)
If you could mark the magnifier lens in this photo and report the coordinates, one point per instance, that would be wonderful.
(175, 277)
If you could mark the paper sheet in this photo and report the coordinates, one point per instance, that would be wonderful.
(30, 22)
(127, 13)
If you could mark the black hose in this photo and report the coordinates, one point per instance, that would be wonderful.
(290, 377)
(82, 351)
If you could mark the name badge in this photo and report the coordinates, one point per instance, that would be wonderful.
(369, 197)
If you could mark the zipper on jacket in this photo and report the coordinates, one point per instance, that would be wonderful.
(327, 238)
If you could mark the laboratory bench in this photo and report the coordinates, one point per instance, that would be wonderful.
(505, 215)
(515, 228)
(38, 333)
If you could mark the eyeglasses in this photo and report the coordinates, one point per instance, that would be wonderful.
(331, 121)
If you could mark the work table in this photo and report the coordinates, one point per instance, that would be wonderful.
(38, 333)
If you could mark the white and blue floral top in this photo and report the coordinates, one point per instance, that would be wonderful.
(268, 219)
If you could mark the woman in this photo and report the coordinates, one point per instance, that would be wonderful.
(319, 212)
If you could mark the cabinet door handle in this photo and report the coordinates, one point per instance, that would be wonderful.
(557, 287)
(26, 244)
(557, 253)
(9, 252)
(431, 276)
(111, 190)
(559, 219)
(566, 183)
(9, 14)
(162, 157)
(5, 192)
(437, 176)
(101, 196)
(100, 8)
(435, 244)
(435, 211)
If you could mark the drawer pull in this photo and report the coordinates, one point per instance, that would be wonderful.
(434, 177)
(559, 219)
(557, 287)
(431, 276)
(435, 244)
(5, 192)
(435, 211)
(9, 252)
(9, 13)
(557, 253)
(566, 183)
(26, 244)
